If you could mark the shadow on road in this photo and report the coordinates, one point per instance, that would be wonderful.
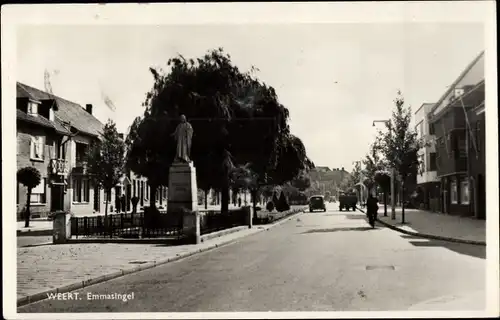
(462, 248)
(339, 229)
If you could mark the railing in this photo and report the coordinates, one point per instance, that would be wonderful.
(212, 221)
(58, 166)
(128, 225)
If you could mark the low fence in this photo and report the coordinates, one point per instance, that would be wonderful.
(128, 225)
(213, 220)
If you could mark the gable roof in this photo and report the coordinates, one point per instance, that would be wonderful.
(67, 111)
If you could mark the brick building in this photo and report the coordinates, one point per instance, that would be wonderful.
(455, 120)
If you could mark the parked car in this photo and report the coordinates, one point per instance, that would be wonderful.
(317, 203)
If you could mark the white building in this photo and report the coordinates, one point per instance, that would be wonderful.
(427, 179)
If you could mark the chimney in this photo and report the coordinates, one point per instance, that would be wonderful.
(343, 169)
(88, 107)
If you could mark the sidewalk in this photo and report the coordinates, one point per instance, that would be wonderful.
(35, 227)
(437, 225)
(67, 267)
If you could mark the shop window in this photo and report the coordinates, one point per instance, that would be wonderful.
(453, 192)
(464, 192)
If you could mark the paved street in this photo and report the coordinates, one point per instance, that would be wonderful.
(316, 262)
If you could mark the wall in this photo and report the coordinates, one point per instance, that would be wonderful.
(86, 208)
(422, 116)
(24, 133)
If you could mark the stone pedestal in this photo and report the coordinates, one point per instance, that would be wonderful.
(191, 228)
(182, 188)
(61, 227)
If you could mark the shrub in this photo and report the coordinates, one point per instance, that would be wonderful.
(270, 206)
(282, 204)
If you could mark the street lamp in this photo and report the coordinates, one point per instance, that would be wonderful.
(393, 172)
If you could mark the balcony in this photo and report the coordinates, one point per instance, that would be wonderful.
(58, 166)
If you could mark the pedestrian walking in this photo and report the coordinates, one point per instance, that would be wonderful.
(371, 209)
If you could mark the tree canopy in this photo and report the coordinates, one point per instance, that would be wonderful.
(106, 158)
(400, 144)
(237, 121)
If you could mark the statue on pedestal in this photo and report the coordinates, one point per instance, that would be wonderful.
(183, 135)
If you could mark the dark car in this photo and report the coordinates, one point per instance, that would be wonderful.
(317, 203)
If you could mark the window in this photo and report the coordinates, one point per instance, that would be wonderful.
(17, 194)
(81, 150)
(453, 192)
(36, 146)
(431, 128)
(38, 193)
(32, 109)
(421, 160)
(81, 190)
(462, 146)
(432, 161)
(464, 192)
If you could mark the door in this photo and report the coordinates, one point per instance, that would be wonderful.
(97, 199)
(56, 197)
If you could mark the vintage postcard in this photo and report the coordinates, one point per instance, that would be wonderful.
(250, 160)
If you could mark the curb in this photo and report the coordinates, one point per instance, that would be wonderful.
(34, 233)
(99, 279)
(429, 236)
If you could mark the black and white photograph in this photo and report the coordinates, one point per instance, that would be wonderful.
(250, 160)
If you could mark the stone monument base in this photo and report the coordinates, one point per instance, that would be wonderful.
(182, 188)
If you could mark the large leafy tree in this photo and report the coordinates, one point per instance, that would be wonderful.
(302, 181)
(400, 145)
(106, 160)
(237, 120)
(29, 177)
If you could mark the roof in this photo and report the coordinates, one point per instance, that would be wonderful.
(66, 112)
(460, 77)
(425, 104)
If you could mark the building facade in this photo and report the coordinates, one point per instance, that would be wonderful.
(427, 180)
(452, 123)
(52, 136)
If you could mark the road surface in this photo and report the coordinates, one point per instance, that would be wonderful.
(321, 261)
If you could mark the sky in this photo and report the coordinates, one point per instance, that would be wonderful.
(335, 78)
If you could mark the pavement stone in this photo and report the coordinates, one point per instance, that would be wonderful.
(422, 222)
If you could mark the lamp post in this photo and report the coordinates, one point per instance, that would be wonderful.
(393, 174)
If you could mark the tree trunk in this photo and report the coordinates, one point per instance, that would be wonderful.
(206, 199)
(254, 198)
(27, 214)
(403, 203)
(224, 200)
(108, 195)
(385, 203)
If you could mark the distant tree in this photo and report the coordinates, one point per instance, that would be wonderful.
(29, 177)
(400, 145)
(106, 160)
(302, 181)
